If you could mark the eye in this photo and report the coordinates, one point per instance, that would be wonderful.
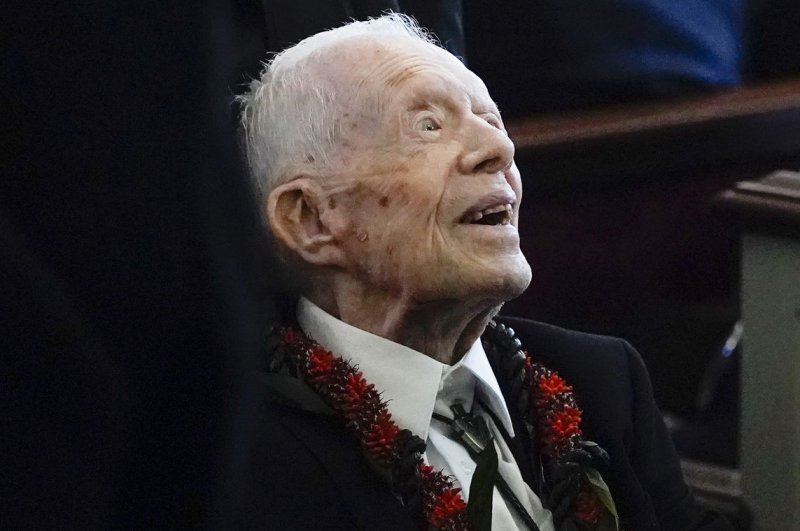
(427, 124)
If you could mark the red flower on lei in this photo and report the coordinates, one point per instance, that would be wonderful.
(359, 405)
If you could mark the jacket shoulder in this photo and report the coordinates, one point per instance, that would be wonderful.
(613, 388)
(594, 364)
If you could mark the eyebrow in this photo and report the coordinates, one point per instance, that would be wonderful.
(486, 105)
(433, 97)
(421, 103)
(493, 109)
(427, 97)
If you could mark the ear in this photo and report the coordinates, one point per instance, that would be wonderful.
(294, 217)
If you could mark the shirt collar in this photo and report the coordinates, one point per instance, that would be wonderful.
(477, 363)
(408, 381)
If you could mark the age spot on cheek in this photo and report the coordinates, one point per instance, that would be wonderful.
(331, 203)
(384, 201)
(401, 169)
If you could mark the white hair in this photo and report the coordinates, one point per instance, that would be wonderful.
(289, 115)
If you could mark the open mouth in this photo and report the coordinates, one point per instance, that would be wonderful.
(494, 215)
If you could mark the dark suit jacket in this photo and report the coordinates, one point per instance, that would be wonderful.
(308, 473)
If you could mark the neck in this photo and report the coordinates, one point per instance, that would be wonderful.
(443, 330)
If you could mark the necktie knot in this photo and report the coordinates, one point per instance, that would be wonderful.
(475, 436)
(471, 429)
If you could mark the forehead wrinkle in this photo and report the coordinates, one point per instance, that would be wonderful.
(392, 74)
(393, 66)
(343, 66)
(446, 88)
(439, 91)
(432, 98)
(403, 73)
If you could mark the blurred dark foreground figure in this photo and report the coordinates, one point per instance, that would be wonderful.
(132, 267)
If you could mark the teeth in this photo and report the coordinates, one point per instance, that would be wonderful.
(494, 210)
(477, 216)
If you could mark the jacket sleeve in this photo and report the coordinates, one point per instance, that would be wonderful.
(656, 465)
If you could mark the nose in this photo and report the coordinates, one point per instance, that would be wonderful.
(487, 149)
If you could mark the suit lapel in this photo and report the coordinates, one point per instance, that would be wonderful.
(363, 492)
(524, 452)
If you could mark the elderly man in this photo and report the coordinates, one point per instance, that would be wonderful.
(389, 186)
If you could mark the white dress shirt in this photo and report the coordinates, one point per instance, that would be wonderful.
(415, 385)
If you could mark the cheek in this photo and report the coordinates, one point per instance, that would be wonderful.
(515, 180)
(379, 220)
(393, 197)
(394, 215)
(404, 205)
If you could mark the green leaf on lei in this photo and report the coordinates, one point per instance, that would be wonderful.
(604, 494)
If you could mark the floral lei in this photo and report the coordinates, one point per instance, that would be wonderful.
(551, 405)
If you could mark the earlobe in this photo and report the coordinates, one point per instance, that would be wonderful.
(295, 219)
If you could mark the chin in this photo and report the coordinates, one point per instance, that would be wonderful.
(497, 285)
(511, 276)
(514, 283)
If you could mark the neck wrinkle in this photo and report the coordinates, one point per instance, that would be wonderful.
(442, 330)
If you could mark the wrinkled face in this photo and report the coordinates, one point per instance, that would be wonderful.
(429, 196)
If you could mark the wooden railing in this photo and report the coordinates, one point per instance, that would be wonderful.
(618, 227)
(753, 126)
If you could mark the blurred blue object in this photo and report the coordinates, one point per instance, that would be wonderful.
(549, 55)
